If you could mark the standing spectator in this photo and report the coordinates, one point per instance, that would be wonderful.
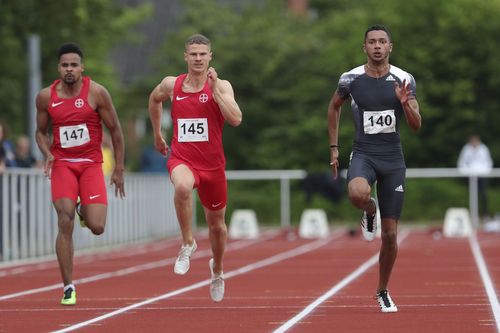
(475, 159)
(7, 145)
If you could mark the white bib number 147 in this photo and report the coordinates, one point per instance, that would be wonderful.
(192, 130)
(73, 136)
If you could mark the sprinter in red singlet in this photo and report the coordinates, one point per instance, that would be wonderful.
(75, 106)
(201, 104)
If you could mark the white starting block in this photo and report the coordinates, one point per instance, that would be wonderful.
(457, 223)
(243, 224)
(313, 224)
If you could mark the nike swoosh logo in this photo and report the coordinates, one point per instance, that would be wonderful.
(216, 205)
(94, 196)
(179, 98)
(56, 104)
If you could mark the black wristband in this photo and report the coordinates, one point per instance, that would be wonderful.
(334, 146)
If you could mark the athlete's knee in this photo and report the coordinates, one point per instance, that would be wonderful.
(96, 225)
(65, 223)
(97, 230)
(218, 228)
(389, 237)
(359, 193)
(359, 198)
(183, 191)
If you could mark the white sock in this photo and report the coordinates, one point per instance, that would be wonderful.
(69, 286)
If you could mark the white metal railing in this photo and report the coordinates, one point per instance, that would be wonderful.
(456, 173)
(286, 175)
(28, 222)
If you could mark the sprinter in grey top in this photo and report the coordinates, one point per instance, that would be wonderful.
(380, 94)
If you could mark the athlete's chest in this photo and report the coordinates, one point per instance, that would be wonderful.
(189, 104)
(74, 109)
(375, 94)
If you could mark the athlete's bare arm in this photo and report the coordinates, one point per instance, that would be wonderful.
(410, 105)
(42, 128)
(334, 111)
(223, 94)
(160, 93)
(107, 111)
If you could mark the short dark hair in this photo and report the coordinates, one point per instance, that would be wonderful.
(197, 39)
(69, 48)
(376, 27)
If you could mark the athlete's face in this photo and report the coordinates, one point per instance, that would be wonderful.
(70, 68)
(198, 57)
(377, 46)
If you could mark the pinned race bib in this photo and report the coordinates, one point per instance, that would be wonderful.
(375, 122)
(73, 136)
(192, 130)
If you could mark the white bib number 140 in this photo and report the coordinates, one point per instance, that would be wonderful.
(375, 122)
(192, 130)
(73, 136)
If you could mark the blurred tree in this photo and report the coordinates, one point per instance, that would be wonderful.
(284, 69)
(96, 25)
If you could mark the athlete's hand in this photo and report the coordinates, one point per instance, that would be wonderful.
(161, 145)
(212, 77)
(334, 162)
(403, 91)
(117, 181)
(49, 161)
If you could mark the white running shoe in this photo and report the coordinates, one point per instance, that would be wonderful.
(369, 224)
(217, 284)
(385, 301)
(182, 263)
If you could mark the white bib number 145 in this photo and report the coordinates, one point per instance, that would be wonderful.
(192, 130)
(73, 136)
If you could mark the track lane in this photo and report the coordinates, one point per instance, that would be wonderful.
(448, 297)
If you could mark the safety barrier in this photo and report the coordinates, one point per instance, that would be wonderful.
(28, 221)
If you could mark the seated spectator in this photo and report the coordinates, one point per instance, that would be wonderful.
(23, 156)
(2, 160)
(7, 145)
(152, 160)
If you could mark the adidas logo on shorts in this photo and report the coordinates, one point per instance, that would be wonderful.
(399, 188)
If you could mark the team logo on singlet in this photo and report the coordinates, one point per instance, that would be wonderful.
(79, 103)
(203, 98)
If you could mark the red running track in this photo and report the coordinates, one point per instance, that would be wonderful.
(276, 283)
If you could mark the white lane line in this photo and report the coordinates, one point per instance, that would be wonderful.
(336, 288)
(245, 269)
(137, 268)
(485, 276)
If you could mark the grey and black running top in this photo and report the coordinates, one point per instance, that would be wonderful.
(376, 109)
